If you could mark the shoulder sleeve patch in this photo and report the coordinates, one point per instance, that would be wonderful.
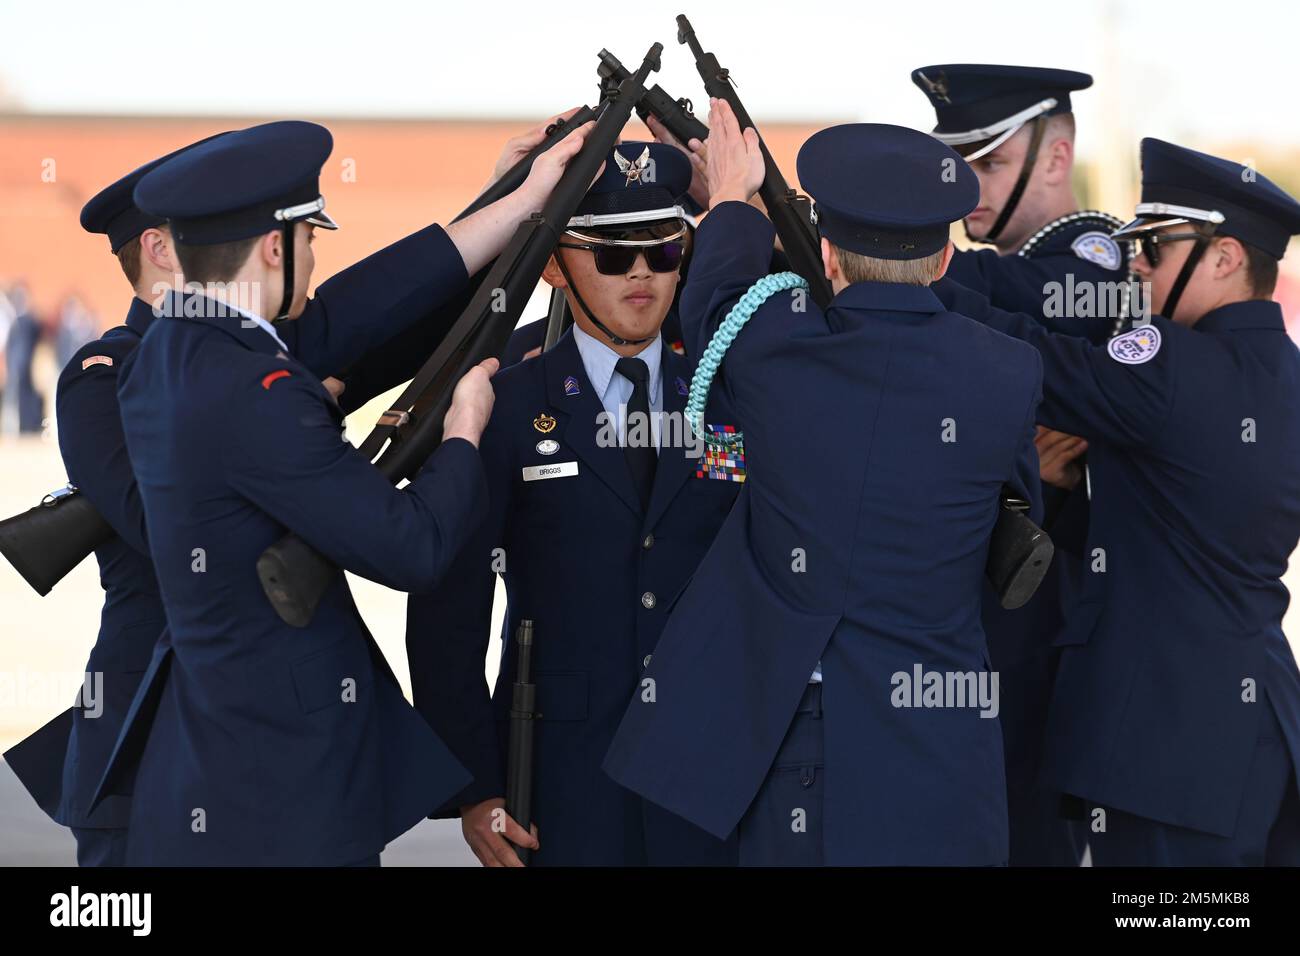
(96, 360)
(1135, 347)
(271, 377)
(1098, 248)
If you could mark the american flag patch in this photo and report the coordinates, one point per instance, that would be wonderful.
(96, 360)
(724, 454)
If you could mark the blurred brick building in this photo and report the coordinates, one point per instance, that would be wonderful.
(385, 178)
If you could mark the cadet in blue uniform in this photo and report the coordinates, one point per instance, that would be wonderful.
(877, 436)
(1176, 710)
(595, 539)
(1015, 127)
(275, 745)
(63, 761)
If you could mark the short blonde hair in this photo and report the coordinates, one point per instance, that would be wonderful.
(860, 268)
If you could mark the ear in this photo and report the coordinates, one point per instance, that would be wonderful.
(156, 247)
(271, 248)
(1229, 256)
(830, 261)
(948, 251)
(552, 275)
(1060, 161)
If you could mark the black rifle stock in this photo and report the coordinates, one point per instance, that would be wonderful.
(293, 574)
(46, 542)
(519, 757)
(790, 212)
(1020, 553)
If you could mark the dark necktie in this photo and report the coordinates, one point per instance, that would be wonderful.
(641, 459)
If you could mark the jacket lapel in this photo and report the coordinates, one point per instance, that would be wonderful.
(577, 420)
(675, 466)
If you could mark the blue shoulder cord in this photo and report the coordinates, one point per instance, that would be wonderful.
(707, 368)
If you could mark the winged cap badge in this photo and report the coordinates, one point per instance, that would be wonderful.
(634, 171)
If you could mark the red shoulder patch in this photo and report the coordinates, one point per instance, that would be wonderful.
(270, 377)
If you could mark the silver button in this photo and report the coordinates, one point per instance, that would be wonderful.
(646, 662)
(648, 599)
(649, 542)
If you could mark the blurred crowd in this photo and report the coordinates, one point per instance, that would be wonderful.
(23, 407)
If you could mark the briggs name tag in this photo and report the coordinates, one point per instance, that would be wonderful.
(561, 469)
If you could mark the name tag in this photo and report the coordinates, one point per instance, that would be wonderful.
(561, 469)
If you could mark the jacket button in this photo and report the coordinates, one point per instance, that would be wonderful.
(649, 542)
(648, 599)
(646, 662)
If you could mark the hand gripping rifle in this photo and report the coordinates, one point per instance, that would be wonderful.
(790, 212)
(293, 574)
(46, 542)
(400, 358)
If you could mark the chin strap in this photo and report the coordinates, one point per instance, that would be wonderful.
(616, 339)
(1031, 156)
(1185, 274)
(286, 300)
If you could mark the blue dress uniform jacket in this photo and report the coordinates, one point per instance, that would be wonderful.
(596, 573)
(269, 744)
(843, 414)
(1194, 435)
(94, 452)
(1071, 252)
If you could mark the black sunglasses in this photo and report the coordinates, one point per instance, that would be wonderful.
(618, 260)
(1150, 243)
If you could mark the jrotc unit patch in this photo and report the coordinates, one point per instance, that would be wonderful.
(1098, 248)
(724, 454)
(1136, 347)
